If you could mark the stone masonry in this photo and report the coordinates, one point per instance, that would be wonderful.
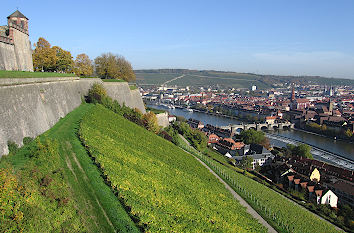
(15, 46)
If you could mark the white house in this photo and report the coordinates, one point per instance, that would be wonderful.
(228, 155)
(329, 198)
(261, 160)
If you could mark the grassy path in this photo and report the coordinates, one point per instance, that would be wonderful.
(99, 207)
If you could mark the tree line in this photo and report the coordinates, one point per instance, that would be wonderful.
(47, 58)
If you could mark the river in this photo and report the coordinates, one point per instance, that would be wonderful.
(336, 152)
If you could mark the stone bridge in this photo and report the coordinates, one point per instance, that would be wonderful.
(259, 126)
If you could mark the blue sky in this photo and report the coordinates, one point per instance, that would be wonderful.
(302, 37)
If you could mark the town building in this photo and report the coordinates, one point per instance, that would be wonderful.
(329, 198)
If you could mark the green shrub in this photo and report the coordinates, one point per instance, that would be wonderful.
(27, 140)
(96, 93)
(13, 147)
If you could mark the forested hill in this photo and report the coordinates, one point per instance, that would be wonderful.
(227, 79)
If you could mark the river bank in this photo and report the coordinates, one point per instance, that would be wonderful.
(341, 149)
(325, 136)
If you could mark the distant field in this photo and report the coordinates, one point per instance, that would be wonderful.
(26, 74)
(198, 79)
(153, 78)
(229, 79)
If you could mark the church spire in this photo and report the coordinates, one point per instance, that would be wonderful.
(293, 95)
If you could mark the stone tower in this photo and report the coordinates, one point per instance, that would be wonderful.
(15, 46)
(292, 98)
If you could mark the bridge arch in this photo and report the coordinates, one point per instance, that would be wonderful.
(286, 127)
(264, 128)
(238, 130)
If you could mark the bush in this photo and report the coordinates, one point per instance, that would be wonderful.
(133, 115)
(13, 147)
(149, 120)
(166, 136)
(27, 140)
(96, 93)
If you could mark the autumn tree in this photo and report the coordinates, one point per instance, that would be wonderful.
(109, 66)
(348, 133)
(44, 57)
(63, 60)
(150, 122)
(47, 58)
(83, 65)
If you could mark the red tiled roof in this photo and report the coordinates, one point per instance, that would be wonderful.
(319, 193)
(346, 187)
(303, 184)
(311, 188)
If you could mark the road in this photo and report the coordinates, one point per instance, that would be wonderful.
(173, 79)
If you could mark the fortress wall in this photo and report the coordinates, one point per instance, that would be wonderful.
(7, 57)
(28, 110)
(23, 51)
(137, 101)
(16, 81)
(162, 119)
(121, 92)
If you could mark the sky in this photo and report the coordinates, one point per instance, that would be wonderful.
(281, 37)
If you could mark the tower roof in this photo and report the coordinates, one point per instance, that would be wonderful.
(18, 14)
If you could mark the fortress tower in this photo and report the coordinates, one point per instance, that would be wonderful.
(15, 46)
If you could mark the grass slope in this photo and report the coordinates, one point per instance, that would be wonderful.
(27, 74)
(165, 187)
(98, 208)
(114, 80)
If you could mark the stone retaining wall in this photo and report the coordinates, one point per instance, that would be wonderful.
(29, 107)
(162, 119)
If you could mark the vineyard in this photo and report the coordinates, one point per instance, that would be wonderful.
(281, 213)
(51, 185)
(164, 188)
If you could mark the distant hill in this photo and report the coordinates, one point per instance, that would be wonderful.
(213, 78)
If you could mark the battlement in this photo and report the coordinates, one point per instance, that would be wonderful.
(19, 28)
(6, 40)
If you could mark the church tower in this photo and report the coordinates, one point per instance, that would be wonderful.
(292, 95)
